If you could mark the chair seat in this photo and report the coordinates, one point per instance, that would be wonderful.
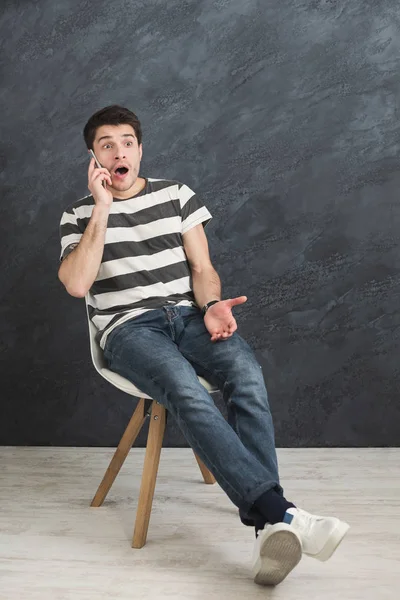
(126, 386)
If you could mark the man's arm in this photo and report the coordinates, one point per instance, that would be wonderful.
(206, 282)
(218, 320)
(79, 269)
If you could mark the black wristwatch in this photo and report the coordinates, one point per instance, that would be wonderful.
(207, 306)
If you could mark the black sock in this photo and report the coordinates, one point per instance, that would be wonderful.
(272, 506)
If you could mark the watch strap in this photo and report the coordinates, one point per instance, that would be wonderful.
(207, 306)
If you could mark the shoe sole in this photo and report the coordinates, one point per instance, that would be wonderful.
(280, 552)
(333, 542)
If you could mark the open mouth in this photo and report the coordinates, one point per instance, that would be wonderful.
(121, 171)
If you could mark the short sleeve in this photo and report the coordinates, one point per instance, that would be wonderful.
(193, 210)
(70, 233)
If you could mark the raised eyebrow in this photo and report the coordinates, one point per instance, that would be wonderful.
(109, 137)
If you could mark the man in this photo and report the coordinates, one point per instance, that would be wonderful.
(136, 248)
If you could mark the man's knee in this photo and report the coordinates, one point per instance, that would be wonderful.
(244, 363)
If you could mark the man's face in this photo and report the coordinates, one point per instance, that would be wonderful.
(116, 148)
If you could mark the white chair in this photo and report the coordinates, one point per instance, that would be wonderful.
(146, 408)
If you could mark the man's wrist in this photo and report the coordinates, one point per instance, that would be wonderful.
(208, 305)
(101, 211)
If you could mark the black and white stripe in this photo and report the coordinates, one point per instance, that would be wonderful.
(144, 265)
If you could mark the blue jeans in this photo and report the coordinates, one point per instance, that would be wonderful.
(162, 351)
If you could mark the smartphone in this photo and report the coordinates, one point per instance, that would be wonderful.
(97, 164)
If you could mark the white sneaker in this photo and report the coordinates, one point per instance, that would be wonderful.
(320, 536)
(277, 551)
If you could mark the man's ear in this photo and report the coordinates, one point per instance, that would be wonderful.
(141, 151)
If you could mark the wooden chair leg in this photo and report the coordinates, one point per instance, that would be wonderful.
(127, 440)
(149, 476)
(207, 475)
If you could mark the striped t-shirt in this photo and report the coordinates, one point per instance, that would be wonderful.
(144, 264)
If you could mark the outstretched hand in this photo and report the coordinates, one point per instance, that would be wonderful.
(219, 320)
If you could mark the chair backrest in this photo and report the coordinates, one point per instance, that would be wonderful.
(100, 364)
(96, 352)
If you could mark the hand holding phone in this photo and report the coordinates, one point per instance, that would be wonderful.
(97, 164)
(97, 182)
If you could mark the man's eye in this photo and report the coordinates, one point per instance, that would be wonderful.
(129, 143)
(107, 146)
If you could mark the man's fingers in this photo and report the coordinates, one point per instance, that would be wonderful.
(235, 301)
(91, 167)
(95, 171)
(221, 337)
(102, 174)
(224, 332)
(101, 171)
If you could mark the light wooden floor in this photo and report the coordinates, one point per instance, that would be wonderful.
(54, 547)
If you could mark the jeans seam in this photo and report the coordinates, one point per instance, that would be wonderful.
(232, 408)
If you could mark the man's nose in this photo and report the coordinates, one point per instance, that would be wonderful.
(120, 153)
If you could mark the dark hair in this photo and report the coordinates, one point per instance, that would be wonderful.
(111, 115)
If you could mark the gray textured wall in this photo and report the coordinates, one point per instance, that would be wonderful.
(283, 115)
